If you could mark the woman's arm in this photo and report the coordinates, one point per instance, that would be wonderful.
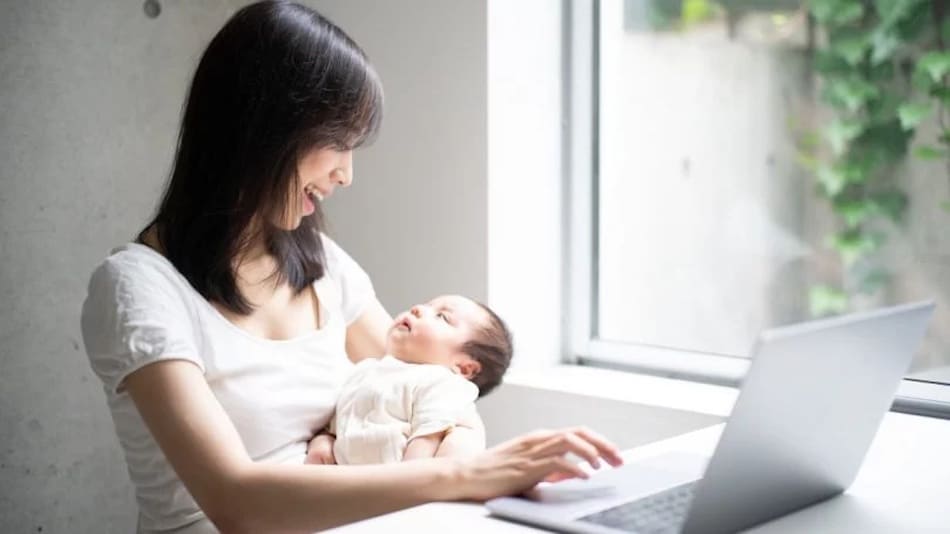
(366, 336)
(239, 495)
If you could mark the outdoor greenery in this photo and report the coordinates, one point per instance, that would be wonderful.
(883, 69)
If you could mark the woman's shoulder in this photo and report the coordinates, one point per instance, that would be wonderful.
(135, 268)
(133, 259)
(353, 285)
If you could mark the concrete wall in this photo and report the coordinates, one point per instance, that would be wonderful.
(90, 94)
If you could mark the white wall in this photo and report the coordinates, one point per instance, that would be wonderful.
(415, 216)
(525, 175)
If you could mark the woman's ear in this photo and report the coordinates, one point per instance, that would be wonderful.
(467, 367)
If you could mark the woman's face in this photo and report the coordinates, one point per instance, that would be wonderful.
(319, 172)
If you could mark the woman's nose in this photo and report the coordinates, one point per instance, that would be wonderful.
(343, 177)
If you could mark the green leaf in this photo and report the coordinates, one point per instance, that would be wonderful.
(883, 46)
(830, 64)
(854, 212)
(928, 152)
(883, 110)
(941, 93)
(881, 144)
(826, 300)
(835, 178)
(911, 113)
(696, 11)
(893, 11)
(837, 12)
(850, 48)
(852, 244)
(916, 22)
(945, 205)
(936, 64)
(891, 203)
(851, 93)
(841, 132)
(832, 180)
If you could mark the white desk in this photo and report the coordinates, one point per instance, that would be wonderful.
(903, 487)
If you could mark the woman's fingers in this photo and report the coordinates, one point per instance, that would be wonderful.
(561, 468)
(581, 441)
(566, 442)
(608, 451)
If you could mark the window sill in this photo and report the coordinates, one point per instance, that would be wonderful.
(916, 395)
(663, 392)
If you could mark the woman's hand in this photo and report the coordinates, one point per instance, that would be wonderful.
(517, 465)
(320, 450)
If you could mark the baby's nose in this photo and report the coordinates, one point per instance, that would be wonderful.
(416, 311)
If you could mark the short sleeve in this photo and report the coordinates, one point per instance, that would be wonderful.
(356, 289)
(439, 405)
(134, 315)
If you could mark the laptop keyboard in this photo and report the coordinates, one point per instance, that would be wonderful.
(660, 513)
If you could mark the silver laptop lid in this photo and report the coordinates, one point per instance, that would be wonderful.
(810, 405)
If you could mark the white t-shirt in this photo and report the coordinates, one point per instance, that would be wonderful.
(387, 402)
(140, 309)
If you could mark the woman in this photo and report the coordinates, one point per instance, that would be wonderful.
(222, 334)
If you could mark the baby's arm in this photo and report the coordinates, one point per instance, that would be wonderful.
(440, 410)
(468, 437)
(423, 446)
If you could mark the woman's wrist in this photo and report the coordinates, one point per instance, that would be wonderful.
(451, 482)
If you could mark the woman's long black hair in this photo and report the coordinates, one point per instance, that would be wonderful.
(276, 81)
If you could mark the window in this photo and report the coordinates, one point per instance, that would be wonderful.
(720, 203)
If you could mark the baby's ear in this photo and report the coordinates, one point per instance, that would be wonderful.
(468, 367)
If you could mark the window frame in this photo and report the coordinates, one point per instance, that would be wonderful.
(581, 200)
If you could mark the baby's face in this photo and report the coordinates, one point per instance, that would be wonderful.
(434, 332)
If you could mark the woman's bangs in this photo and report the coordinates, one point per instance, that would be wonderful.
(360, 118)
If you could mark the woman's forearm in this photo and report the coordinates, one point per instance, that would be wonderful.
(294, 498)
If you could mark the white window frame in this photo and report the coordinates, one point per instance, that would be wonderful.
(580, 185)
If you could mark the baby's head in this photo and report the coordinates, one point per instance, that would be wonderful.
(456, 332)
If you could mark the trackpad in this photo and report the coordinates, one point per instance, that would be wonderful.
(607, 487)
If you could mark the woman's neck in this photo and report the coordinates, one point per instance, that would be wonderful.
(254, 269)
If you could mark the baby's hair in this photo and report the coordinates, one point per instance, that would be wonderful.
(492, 348)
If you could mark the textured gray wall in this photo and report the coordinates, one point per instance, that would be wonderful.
(90, 95)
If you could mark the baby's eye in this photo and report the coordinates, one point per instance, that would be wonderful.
(441, 315)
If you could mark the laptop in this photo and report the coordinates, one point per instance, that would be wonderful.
(808, 409)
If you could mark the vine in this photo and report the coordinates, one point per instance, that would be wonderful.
(883, 68)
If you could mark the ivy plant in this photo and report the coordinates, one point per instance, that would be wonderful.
(883, 67)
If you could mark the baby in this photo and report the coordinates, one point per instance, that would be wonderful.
(441, 356)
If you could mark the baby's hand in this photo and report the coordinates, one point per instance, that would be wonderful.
(320, 450)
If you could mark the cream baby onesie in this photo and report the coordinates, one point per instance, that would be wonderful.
(387, 402)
